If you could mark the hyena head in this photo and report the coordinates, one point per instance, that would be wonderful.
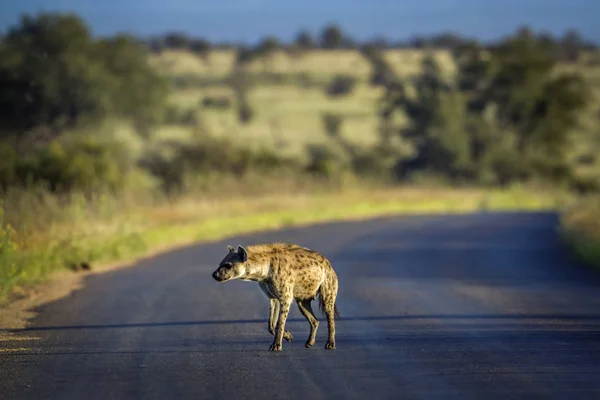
(233, 265)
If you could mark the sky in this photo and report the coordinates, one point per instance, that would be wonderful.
(249, 20)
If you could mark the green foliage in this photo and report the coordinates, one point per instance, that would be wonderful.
(341, 85)
(241, 82)
(304, 40)
(201, 47)
(245, 112)
(267, 46)
(54, 74)
(324, 161)
(332, 124)
(184, 117)
(178, 164)
(176, 40)
(332, 37)
(137, 91)
(216, 102)
(382, 73)
(507, 117)
(10, 266)
(245, 55)
(84, 163)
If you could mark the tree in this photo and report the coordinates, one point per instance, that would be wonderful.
(46, 76)
(382, 74)
(177, 40)
(137, 92)
(571, 46)
(528, 93)
(340, 85)
(304, 40)
(201, 47)
(508, 116)
(53, 75)
(332, 37)
(268, 46)
(437, 129)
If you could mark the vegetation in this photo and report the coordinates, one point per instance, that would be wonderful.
(580, 228)
(110, 147)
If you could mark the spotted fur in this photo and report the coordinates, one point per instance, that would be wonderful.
(286, 272)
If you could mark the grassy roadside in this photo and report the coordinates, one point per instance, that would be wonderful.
(150, 229)
(580, 230)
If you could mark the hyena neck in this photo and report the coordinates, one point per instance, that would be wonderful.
(256, 270)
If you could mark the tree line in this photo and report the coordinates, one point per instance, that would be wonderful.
(567, 47)
(506, 117)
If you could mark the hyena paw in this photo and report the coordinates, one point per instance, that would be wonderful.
(287, 335)
(309, 343)
(275, 347)
(330, 345)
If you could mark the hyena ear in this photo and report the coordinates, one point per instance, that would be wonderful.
(230, 248)
(243, 253)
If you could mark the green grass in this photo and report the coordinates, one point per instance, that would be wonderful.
(125, 234)
(580, 229)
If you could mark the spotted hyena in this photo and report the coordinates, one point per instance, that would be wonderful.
(286, 272)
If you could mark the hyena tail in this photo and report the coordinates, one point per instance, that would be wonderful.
(336, 312)
(328, 291)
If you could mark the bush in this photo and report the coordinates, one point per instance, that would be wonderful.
(81, 163)
(9, 248)
(176, 116)
(245, 113)
(216, 102)
(305, 81)
(325, 162)
(175, 163)
(332, 124)
(341, 85)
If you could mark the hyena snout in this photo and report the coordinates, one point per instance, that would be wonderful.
(216, 275)
(220, 275)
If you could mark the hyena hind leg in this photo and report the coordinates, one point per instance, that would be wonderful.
(306, 310)
(331, 312)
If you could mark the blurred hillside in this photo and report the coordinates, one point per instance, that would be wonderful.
(106, 137)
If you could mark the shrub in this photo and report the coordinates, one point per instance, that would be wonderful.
(175, 163)
(341, 85)
(332, 124)
(84, 163)
(217, 102)
(245, 113)
(177, 116)
(9, 248)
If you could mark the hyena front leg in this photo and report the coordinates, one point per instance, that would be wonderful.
(273, 312)
(284, 310)
(273, 317)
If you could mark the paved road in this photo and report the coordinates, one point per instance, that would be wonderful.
(485, 306)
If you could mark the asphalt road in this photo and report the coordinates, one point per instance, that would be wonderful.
(486, 306)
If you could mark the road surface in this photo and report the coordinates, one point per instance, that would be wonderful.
(482, 306)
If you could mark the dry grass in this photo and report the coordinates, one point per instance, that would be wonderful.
(220, 62)
(47, 233)
(288, 116)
